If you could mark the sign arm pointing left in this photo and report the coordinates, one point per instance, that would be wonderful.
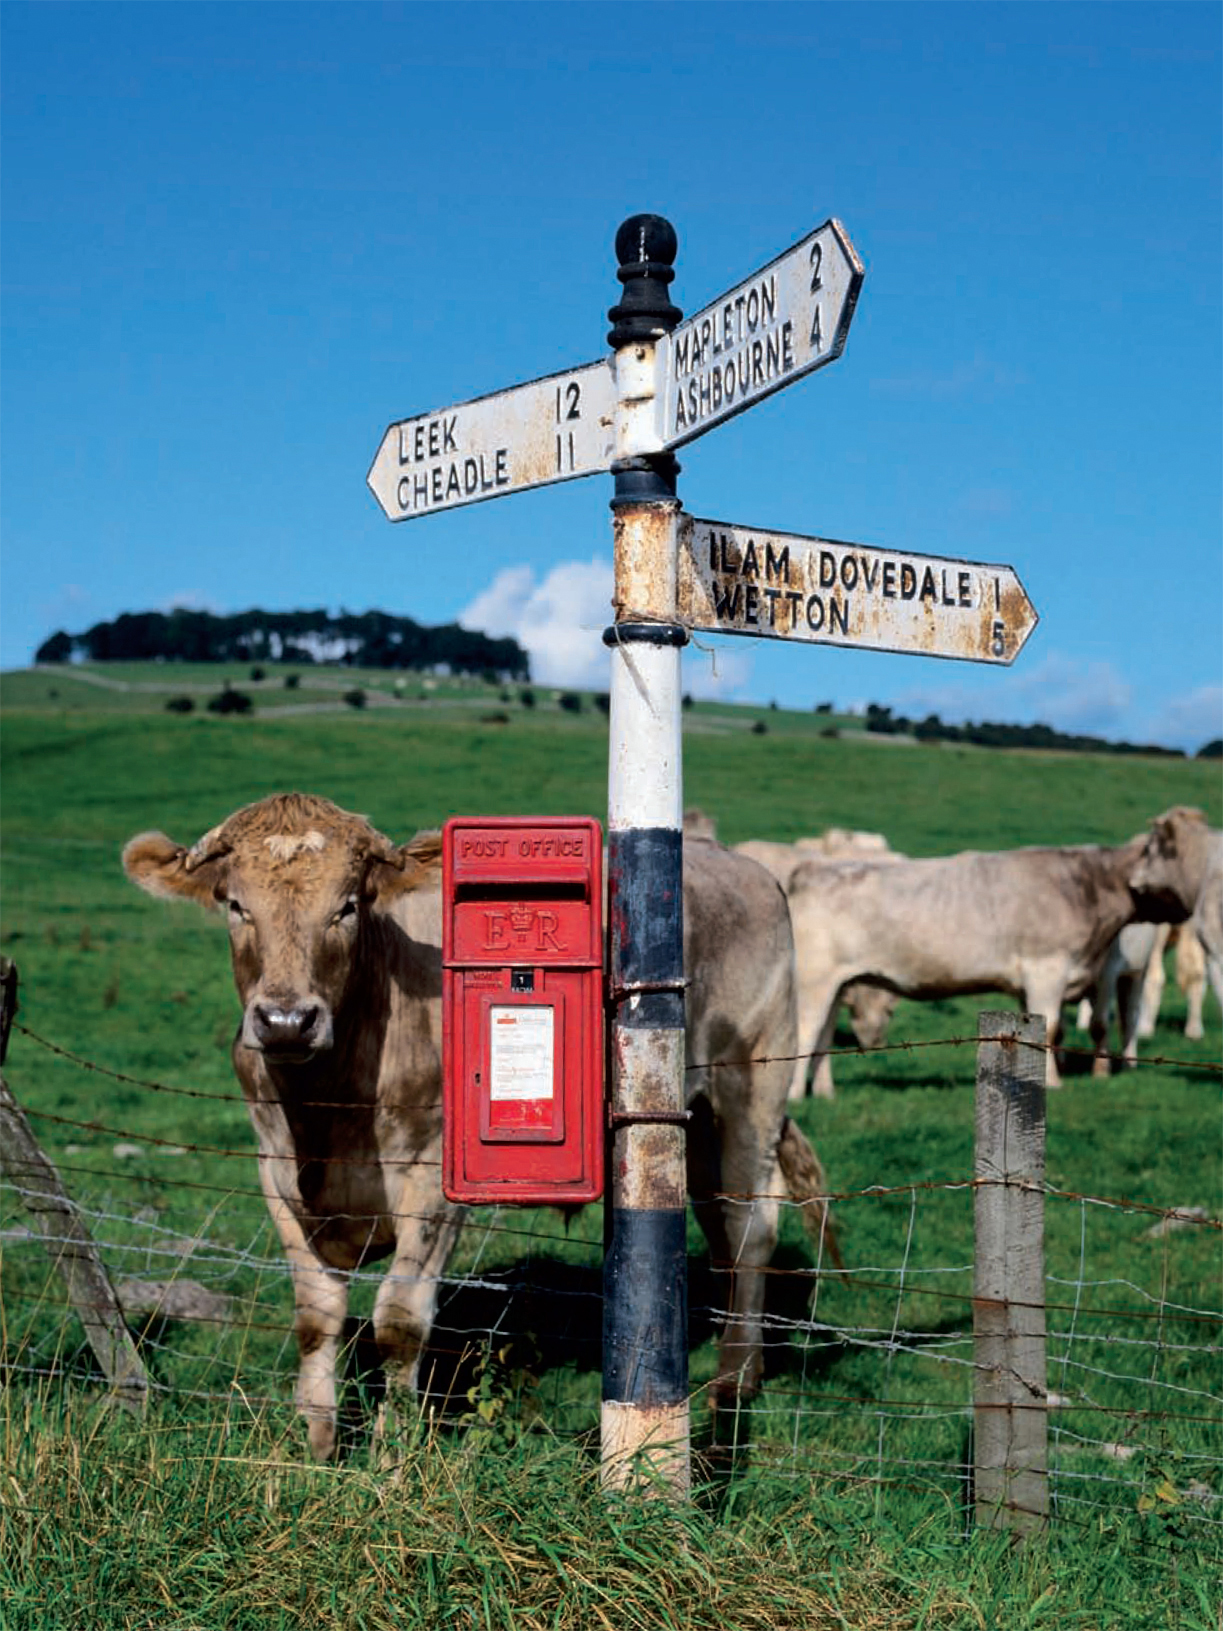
(548, 430)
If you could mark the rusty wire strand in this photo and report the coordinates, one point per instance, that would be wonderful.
(778, 1389)
(856, 1052)
(839, 1197)
(872, 1192)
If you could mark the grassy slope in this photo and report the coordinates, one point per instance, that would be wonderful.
(145, 990)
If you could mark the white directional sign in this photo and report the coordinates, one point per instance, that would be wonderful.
(777, 325)
(741, 580)
(786, 319)
(551, 429)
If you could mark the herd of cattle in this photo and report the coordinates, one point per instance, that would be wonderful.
(335, 937)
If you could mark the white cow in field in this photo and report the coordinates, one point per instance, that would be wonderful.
(1191, 977)
(1133, 979)
(836, 844)
(1179, 876)
(870, 1007)
(1033, 923)
(1130, 982)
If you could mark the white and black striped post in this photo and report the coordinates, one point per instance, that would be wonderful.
(645, 1427)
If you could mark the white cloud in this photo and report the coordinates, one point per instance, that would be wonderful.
(70, 605)
(1191, 720)
(987, 503)
(712, 673)
(1068, 693)
(559, 622)
(980, 375)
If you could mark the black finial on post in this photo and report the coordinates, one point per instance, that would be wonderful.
(646, 247)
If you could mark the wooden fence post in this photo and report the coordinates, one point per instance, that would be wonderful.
(1010, 1399)
(65, 1236)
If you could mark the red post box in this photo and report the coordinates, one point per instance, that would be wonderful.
(522, 1006)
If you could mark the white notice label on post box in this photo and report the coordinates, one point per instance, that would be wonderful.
(521, 1053)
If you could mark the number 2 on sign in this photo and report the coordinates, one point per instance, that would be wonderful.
(568, 407)
(817, 321)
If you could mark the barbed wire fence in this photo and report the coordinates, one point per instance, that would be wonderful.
(873, 1370)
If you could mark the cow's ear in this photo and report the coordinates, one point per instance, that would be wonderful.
(398, 870)
(170, 871)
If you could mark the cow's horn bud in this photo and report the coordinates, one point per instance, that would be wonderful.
(208, 848)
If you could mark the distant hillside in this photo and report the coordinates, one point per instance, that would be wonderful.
(365, 640)
(883, 722)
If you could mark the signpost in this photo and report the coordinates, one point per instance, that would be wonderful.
(790, 317)
(671, 381)
(551, 429)
(740, 580)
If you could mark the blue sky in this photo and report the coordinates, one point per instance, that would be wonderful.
(236, 241)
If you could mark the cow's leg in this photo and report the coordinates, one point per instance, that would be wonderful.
(320, 1298)
(1191, 978)
(1043, 990)
(822, 1084)
(1195, 996)
(426, 1231)
(704, 1172)
(1130, 998)
(1105, 1005)
(817, 1023)
(749, 1225)
(1214, 968)
(1098, 1024)
(749, 1113)
(1153, 981)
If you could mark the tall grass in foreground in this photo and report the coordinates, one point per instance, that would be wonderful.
(191, 1526)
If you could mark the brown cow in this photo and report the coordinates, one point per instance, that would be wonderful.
(336, 955)
(1034, 923)
(335, 936)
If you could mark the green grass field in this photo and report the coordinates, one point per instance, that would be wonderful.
(850, 1507)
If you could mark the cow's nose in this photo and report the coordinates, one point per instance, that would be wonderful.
(278, 1027)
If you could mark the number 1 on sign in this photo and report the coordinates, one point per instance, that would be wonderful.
(568, 407)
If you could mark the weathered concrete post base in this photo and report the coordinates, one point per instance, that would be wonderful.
(646, 1447)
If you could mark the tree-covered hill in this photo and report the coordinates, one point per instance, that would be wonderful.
(363, 640)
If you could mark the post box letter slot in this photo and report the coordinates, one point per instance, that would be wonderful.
(505, 888)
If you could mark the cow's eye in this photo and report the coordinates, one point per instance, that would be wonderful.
(238, 913)
(345, 914)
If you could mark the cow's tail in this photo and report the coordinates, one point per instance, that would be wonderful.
(808, 1188)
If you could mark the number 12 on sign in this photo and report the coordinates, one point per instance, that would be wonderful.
(550, 429)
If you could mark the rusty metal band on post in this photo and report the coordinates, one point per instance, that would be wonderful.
(648, 1118)
(636, 988)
